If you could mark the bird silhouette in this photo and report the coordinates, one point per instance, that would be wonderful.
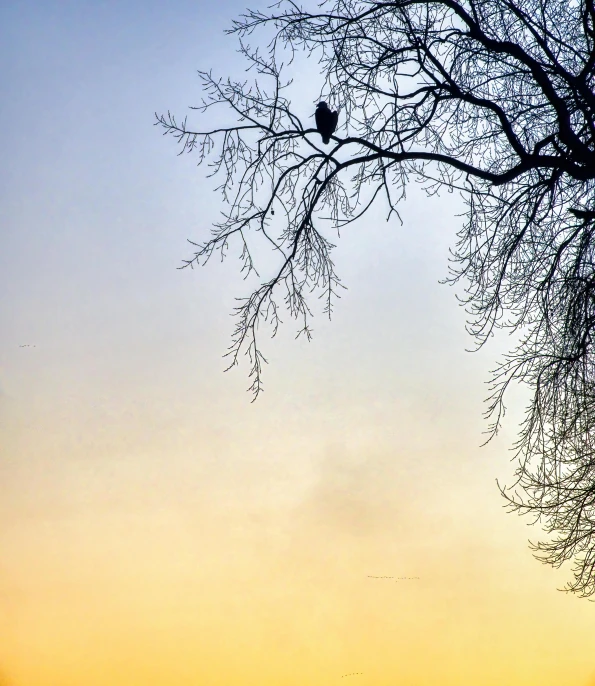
(326, 121)
(392, 577)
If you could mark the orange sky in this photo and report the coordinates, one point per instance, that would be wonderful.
(157, 528)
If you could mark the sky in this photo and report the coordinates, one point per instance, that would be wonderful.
(156, 527)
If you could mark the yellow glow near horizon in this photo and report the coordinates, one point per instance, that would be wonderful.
(213, 567)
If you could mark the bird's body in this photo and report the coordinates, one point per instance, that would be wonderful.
(326, 121)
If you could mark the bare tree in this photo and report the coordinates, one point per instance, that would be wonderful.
(492, 98)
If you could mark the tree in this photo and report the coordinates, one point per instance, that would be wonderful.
(491, 98)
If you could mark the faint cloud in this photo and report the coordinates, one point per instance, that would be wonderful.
(355, 494)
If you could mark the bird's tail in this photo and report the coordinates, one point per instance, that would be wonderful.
(326, 140)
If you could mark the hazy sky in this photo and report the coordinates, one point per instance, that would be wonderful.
(158, 528)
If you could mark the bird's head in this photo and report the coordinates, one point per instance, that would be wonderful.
(322, 105)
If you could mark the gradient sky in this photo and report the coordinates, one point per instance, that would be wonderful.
(158, 528)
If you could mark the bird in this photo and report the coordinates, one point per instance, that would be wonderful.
(326, 121)
(582, 214)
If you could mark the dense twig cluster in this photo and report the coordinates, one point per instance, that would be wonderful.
(494, 98)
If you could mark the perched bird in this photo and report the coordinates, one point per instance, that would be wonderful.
(326, 121)
(582, 214)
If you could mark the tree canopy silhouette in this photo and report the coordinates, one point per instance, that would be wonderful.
(491, 98)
